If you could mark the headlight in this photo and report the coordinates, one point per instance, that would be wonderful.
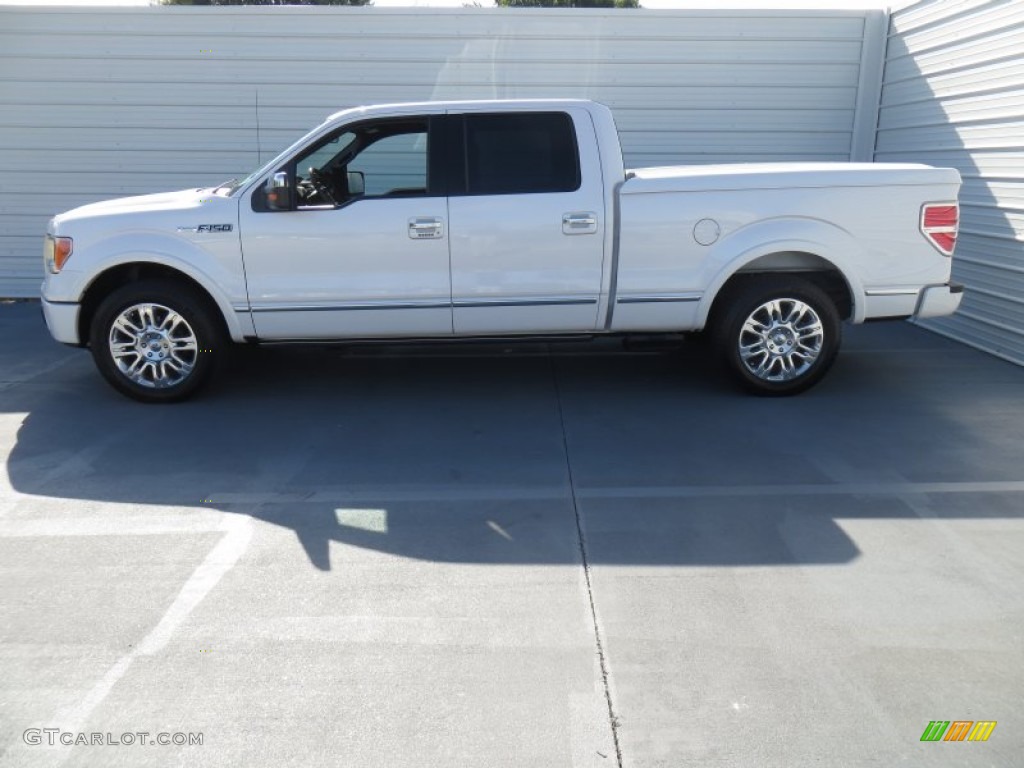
(56, 252)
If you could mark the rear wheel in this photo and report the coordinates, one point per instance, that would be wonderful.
(778, 335)
(156, 341)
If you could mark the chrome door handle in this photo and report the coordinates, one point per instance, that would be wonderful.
(579, 223)
(422, 228)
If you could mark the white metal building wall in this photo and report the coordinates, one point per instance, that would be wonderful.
(104, 102)
(953, 95)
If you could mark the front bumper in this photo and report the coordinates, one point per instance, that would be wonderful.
(62, 321)
(939, 300)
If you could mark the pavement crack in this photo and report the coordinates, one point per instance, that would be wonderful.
(613, 718)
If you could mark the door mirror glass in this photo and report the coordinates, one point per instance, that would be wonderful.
(280, 192)
(356, 183)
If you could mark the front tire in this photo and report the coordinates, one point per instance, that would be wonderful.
(778, 335)
(156, 341)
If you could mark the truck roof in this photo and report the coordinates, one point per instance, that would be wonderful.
(470, 104)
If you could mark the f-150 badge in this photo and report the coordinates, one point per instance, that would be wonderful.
(207, 228)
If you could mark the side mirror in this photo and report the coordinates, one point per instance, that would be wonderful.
(356, 183)
(280, 193)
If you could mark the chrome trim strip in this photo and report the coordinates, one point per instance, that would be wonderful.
(892, 292)
(352, 307)
(657, 299)
(420, 305)
(521, 303)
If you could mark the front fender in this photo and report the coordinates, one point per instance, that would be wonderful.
(828, 242)
(212, 267)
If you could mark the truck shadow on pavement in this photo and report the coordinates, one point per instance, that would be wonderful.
(444, 456)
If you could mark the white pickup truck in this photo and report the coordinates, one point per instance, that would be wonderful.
(498, 219)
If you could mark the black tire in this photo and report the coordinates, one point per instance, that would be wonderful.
(794, 341)
(176, 370)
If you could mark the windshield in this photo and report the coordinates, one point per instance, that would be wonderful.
(325, 155)
(229, 188)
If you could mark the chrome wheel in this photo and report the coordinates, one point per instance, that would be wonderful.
(781, 339)
(153, 346)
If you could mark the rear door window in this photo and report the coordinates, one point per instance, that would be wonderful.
(521, 153)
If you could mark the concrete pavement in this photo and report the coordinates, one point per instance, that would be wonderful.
(483, 557)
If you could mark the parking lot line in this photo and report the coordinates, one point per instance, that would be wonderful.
(220, 560)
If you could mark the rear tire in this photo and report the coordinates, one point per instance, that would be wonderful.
(156, 341)
(778, 335)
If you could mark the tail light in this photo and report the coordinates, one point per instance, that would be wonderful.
(939, 224)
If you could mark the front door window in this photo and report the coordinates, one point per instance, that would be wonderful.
(374, 160)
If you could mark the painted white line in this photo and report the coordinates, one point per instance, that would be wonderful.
(6, 384)
(808, 489)
(499, 530)
(339, 497)
(113, 525)
(372, 520)
(345, 497)
(220, 560)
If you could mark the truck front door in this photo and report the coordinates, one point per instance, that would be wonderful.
(363, 252)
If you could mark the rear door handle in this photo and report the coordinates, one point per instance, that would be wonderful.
(579, 223)
(425, 228)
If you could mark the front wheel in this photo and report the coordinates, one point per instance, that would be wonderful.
(155, 341)
(778, 335)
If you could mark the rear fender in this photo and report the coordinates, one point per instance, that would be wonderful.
(828, 242)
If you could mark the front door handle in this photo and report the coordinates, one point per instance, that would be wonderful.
(425, 228)
(581, 223)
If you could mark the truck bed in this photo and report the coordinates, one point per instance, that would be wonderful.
(747, 176)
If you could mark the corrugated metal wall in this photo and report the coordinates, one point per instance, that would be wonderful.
(100, 102)
(953, 95)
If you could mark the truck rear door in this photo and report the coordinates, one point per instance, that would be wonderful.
(526, 222)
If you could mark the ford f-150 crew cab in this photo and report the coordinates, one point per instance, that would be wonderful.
(499, 219)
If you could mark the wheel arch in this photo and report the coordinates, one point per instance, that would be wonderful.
(128, 271)
(819, 252)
